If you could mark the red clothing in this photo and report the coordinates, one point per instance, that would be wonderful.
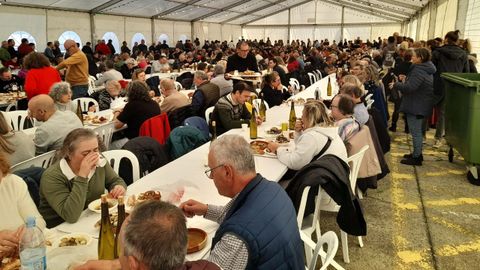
(103, 49)
(293, 66)
(24, 49)
(39, 81)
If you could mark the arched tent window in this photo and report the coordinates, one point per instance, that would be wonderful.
(163, 37)
(113, 37)
(69, 35)
(18, 35)
(137, 38)
(183, 38)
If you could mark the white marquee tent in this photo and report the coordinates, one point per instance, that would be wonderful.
(172, 20)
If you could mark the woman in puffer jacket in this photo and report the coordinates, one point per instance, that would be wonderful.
(417, 100)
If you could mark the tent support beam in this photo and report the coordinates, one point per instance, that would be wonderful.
(227, 8)
(369, 12)
(322, 24)
(270, 4)
(289, 23)
(279, 11)
(168, 11)
(92, 29)
(342, 26)
(104, 6)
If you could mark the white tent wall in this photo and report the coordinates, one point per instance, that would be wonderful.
(424, 22)
(138, 25)
(384, 31)
(215, 31)
(330, 32)
(166, 28)
(78, 22)
(446, 16)
(109, 23)
(276, 19)
(30, 20)
(181, 29)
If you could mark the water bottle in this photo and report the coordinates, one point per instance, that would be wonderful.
(32, 247)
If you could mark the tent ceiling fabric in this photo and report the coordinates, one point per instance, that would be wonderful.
(221, 11)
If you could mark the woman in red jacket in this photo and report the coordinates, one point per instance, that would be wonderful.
(41, 76)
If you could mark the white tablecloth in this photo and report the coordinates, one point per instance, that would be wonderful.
(321, 85)
(185, 176)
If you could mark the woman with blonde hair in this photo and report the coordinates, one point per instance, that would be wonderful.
(16, 145)
(374, 86)
(79, 177)
(313, 131)
(16, 207)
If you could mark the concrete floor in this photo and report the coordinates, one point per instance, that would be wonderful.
(425, 217)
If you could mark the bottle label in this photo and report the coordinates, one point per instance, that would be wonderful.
(36, 260)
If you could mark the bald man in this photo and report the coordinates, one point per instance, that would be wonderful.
(77, 69)
(173, 99)
(57, 124)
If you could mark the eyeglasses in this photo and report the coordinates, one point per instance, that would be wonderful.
(208, 172)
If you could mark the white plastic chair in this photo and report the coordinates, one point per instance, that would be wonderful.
(85, 101)
(257, 102)
(105, 132)
(178, 85)
(43, 161)
(318, 73)
(294, 83)
(368, 97)
(329, 238)
(11, 106)
(312, 78)
(91, 84)
(328, 204)
(115, 156)
(17, 119)
(311, 224)
(370, 103)
(208, 111)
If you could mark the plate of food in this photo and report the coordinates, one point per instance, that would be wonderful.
(96, 206)
(273, 131)
(144, 196)
(197, 240)
(259, 148)
(98, 120)
(72, 240)
(10, 263)
(282, 140)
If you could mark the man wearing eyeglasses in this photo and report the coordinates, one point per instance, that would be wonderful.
(77, 69)
(258, 226)
(243, 60)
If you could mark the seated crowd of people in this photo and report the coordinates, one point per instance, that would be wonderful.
(368, 75)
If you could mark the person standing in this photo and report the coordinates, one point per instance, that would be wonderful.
(77, 69)
(41, 76)
(448, 58)
(243, 60)
(417, 101)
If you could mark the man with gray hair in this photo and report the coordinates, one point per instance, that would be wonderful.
(206, 95)
(77, 69)
(258, 228)
(56, 124)
(243, 60)
(173, 99)
(109, 75)
(153, 237)
(226, 86)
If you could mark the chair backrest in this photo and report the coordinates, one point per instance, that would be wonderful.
(370, 103)
(105, 132)
(17, 119)
(329, 238)
(355, 161)
(178, 85)
(85, 103)
(368, 97)
(198, 122)
(115, 156)
(257, 103)
(91, 84)
(43, 161)
(208, 111)
(156, 127)
(318, 74)
(295, 83)
(11, 107)
(184, 139)
(312, 77)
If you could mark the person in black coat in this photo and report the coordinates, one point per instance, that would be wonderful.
(272, 90)
(417, 100)
(243, 60)
(448, 58)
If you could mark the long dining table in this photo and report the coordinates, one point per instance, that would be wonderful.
(184, 179)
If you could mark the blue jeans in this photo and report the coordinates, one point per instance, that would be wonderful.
(79, 91)
(415, 126)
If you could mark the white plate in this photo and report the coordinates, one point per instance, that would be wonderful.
(95, 205)
(85, 236)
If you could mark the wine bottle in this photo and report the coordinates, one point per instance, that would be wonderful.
(317, 93)
(214, 131)
(106, 240)
(263, 109)
(120, 219)
(292, 118)
(79, 111)
(329, 88)
(253, 125)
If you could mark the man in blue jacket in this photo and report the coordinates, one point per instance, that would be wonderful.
(258, 228)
